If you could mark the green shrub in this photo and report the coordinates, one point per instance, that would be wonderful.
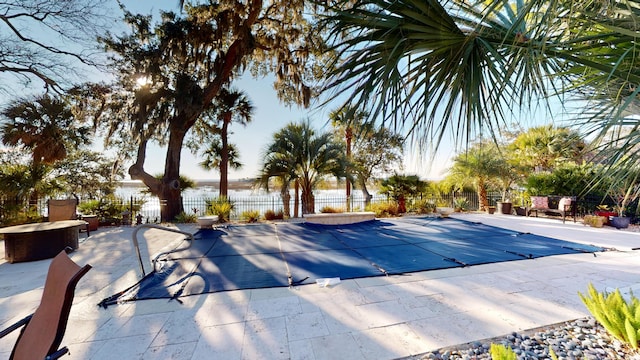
(384, 209)
(619, 317)
(184, 218)
(222, 207)
(461, 203)
(331, 210)
(108, 208)
(501, 352)
(423, 206)
(250, 216)
(272, 215)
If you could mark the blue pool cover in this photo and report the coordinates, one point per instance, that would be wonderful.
(285, 254)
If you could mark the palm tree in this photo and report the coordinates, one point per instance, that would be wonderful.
(213, 156)
(478, 166)
(45, 126)
(230, 105)
(374, 151)
(542, 147)
(433, 67)
(298, 153)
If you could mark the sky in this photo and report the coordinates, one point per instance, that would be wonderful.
(270, 116)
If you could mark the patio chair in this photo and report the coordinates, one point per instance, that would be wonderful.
(42, 331)
(64, 210)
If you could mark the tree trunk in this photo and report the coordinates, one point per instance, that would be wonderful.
(296, 201)
(286, 200)
(482, 195)
(365, 192)
(168, 188)
(224, 157)
(308, 200)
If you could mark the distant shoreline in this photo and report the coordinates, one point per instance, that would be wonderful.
(241, 184)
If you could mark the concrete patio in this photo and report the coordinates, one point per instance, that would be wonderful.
(371, 318)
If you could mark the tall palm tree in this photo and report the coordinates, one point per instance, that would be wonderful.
(230, 105)
(298, 152)
(374, 151)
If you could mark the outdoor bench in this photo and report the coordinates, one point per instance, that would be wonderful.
(562, 205)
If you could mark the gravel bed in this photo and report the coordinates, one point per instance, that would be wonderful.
(579, 339)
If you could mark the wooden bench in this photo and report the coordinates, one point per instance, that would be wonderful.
(562, 205)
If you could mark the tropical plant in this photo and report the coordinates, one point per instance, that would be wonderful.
(621, 318)
(250, 216)
(541, 148)
(45, 126)
(466, 67)
(481, 164)
(331, 210)
(220, 206)
(502, 352)
(299, 153)
(374, 152)
(384, 209)
(423, 206)
(184, 218)
(461, 203)
(230, 105)
(168, 74)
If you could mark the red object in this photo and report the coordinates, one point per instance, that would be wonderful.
(607, 214)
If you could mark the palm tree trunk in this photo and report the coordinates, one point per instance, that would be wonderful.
(286, 200)
(482, 195)
(224, 158)
(296, 201)
(308, 200)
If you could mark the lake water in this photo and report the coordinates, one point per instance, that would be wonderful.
(194, 200)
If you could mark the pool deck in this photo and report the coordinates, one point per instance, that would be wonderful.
(371, 318)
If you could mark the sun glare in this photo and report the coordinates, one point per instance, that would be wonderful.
(143, 81)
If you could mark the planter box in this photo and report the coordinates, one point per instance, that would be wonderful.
(339, 218)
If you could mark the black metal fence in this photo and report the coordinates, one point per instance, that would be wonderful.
(148, 207)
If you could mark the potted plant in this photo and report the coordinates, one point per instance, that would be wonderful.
(504, 207)
(620, 221)
(604, 211)
(460, 204)
(624, 192)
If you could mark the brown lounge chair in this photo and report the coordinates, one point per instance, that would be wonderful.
(42, 331)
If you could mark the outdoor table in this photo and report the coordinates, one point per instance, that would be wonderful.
(39, 241)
